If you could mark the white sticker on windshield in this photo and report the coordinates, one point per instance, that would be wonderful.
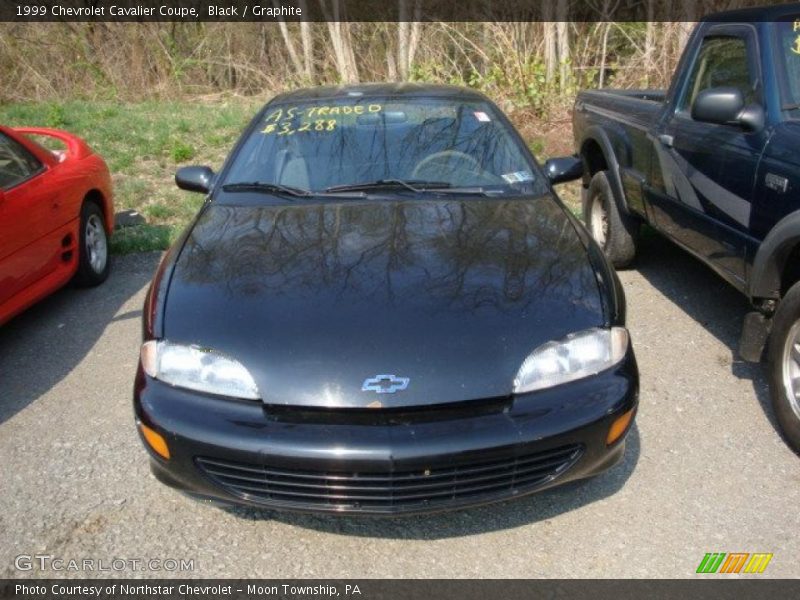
(518, 176)
(482, 116)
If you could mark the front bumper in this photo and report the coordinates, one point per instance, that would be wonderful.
(415, 461)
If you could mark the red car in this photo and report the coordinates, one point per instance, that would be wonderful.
(56, 216)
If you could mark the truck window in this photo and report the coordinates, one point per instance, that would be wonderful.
(789, 71)
(721, 62)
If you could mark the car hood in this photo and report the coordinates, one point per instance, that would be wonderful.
(314, 299)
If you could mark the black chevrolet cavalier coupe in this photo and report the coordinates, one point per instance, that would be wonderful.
(382, 307)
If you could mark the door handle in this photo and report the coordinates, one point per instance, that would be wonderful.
(665, 139)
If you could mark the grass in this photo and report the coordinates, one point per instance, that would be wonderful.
(142, 238)
(145, 143)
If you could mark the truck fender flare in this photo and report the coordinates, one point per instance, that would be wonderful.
(597, 135)
(767, 269)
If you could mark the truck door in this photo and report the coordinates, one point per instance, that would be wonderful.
(708, 170)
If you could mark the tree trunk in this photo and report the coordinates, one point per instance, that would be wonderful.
(341, 41)
(687, 23)
(562, 35)
(549, 30)
(603, 53)
(648, 43)
(407, 36)
(416, 31)
(308, 46)
(402, 40)
(287, 40)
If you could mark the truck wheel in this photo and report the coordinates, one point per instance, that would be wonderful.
(615, 232)
(93, 263)
(784, 366)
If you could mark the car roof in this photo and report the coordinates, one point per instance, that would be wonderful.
(382, 90)
(754, 14)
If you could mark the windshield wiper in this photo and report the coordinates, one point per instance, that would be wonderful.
(467, 191)
(415, 185)
(269, 188)
(285, 190)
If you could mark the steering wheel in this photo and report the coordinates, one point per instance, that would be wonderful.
(439, 161)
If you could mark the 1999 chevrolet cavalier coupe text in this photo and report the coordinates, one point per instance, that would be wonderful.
(381, 308)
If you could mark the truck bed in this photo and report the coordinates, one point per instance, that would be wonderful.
(638, 108)
(651, 95)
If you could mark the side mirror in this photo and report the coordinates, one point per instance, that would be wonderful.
(725, 106)
(720, 105)
(563, 169)
(195, 179)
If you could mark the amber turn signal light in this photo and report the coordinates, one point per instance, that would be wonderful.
(619, 427)
(155, 440)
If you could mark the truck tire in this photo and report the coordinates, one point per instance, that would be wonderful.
(615, 232)
(784, 366)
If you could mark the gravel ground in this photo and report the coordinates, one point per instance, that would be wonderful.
(705, 469)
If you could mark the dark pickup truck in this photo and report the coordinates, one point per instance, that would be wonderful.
(713, 164)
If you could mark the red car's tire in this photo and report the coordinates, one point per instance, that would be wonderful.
(93, 260)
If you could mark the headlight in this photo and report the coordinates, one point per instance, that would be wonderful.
(576, 356)
(197, 368)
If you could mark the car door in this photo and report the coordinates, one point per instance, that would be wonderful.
(25, 207)
(708, 170)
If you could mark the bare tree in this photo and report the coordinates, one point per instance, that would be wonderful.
(290, 48)
(341, 41)
(46, 61)
(687, 23)
(407, 36)
(648, 42)
(308, 48)
(606, 11)
(549, 37)
(562, 36)
(303, 67)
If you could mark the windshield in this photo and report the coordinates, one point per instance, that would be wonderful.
(789, 50)
(431, 143)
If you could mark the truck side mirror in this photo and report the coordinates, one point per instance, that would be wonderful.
(725, 106)
(718, 105)
(195, 179)
(563, 169)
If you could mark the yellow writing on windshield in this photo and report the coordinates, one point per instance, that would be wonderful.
(287, 128)
(321, 118)
(359, 109)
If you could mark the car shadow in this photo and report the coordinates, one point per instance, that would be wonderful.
(541, 506)
(689, 284)
(39, 347)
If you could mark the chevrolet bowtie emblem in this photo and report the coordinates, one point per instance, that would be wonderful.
(385, 384)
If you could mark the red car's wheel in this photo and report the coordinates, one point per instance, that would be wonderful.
(93, 265)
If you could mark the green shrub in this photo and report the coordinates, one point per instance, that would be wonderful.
(181, 152)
